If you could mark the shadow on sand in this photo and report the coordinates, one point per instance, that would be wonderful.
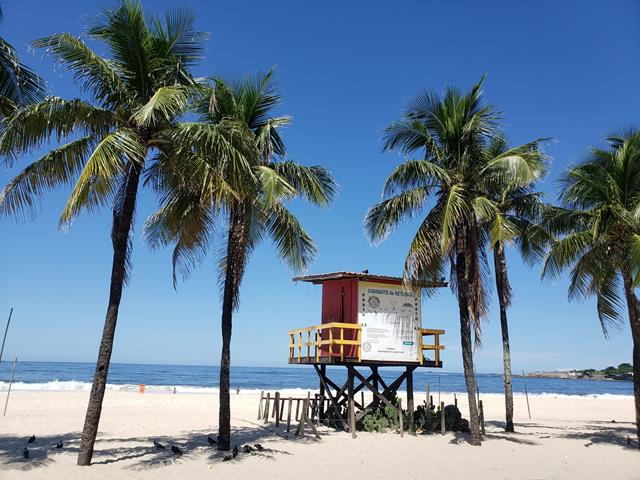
(621, 434)
(142, 455)
(141, 451)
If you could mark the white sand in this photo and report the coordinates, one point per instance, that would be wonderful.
(569, 437)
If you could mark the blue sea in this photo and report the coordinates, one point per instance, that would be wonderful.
(204, 379)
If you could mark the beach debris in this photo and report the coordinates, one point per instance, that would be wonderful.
(588, 444)
(211, 441)
(235, 451)
(59, 444)
(259, 447)
(25, 453)
(158, 445)
(226, 458)
(613, 421)
(31, 439)
(247, 449)
(176, 450)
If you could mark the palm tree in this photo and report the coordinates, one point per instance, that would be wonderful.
(251, 201)
(451, 131)
(516, 211)
(599, 236)
(139, 89)
(19, 85)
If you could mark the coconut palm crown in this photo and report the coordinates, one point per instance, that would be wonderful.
(249, 203)
(598, 236)
(138, 91)
(448, 186)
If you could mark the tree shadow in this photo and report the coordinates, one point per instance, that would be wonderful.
(40, 452)
(620, 434)
(141, 453)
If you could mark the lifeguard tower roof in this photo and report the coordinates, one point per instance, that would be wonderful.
(363, 276)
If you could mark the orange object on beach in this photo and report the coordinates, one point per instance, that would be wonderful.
(141, 388)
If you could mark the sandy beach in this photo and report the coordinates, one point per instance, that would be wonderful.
(568, 437)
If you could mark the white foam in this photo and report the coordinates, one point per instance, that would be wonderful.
(73, 385)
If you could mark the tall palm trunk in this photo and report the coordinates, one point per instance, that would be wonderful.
(465, 335)
(634, 320)
(504, 294)
(233, 275)
(122, 221)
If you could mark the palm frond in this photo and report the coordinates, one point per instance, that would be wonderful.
(102, 172)
(20, 198)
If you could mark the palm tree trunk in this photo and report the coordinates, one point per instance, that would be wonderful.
(120, 237)
(504, 294)
(465, 336)
(233, 274)
(634, 319)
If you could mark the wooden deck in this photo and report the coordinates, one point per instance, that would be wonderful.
(328, 360)
(325, 345)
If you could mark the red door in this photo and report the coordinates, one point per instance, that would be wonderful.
(340, 304)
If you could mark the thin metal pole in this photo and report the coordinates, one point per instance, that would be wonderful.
(5, 333)
(6, 402)
(526, 394)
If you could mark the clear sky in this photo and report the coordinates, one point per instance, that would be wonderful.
(567, 69)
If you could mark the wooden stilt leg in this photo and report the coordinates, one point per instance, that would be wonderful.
(321, 413)
(410, 406)
(352, 413)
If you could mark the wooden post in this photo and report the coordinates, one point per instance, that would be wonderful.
(303, 419)
(426, 397)
(400, 418)
(443, 428)
(297, 409)
(260, 405)
(266, 408)
(13, 371)
(526, 394)
(431, 401)
(281, 408)
(481, 416)
(277, 408)
(352, 413)
(374, 370)
(362, 399)
(410, 406)
(289, 414)
(455, 400)
(6, 329)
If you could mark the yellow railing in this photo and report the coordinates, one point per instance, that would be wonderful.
(310, 338)
(308, 343)
(435, 346)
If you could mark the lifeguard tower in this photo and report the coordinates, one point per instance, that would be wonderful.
(368, 321)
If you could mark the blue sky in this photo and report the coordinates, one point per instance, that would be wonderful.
(568, 70)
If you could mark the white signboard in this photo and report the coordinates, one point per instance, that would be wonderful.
(390, 320)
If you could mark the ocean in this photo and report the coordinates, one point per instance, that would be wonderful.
(204, 379)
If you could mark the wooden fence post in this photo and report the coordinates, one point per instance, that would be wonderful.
(289, 414)
(400, 419)
(277, 408)
(266, 408)
(260, 405)
(443, 427)
(482, 417)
